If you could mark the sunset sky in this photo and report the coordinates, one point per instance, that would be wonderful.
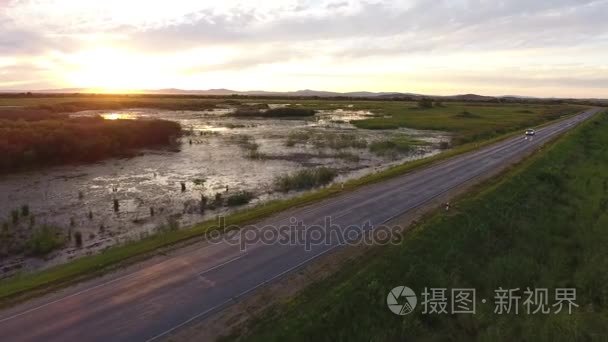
(523, 47)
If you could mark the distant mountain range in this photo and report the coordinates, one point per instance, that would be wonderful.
(225, 92)
(299, 93)
(228, 92)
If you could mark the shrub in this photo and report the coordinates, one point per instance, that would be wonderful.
(240, 198)
(172, 223)
(199, 181)
(334, 141)
(217, 202)
(15, 216)
(392, 147)
(425, 103)
(203, 204)
(78, 238)
(305, 179)
(43, 241)
(339, 141)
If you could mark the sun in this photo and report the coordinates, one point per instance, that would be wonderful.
(111, 70)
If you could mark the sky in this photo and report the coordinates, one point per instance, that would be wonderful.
(550, 48)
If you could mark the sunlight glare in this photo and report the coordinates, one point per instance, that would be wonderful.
(108, 70)
(117, 116)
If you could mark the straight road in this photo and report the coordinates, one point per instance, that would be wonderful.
(147, 301)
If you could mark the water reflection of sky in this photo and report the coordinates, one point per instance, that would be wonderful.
(119, 116)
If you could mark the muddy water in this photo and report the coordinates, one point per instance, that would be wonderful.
(210, 160)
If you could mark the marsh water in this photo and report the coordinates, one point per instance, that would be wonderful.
(214, 157)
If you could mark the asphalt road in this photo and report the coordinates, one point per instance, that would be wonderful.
(147, 301)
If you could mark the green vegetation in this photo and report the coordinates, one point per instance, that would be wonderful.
(25, 210)
(78, 239)
(15, 216)
(298, 137)
(36, 143)
(469, 122)
(400, 144)
(44, 240)
(41, 107)
(335, 141)
(240, 198)
(305, 179)
(425, 103)
(274, 113)
(467, 115)
(338, 141)
(352, 157)
(247, 142)
(199, 181)
(542, 226)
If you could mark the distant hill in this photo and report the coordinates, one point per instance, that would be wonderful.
(317, 93)
(470, 97)
(227, 92)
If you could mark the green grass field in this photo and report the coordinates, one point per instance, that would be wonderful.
(483, 120)
(38, 100)
(544, 225)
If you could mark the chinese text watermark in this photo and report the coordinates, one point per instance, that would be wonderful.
(515, 301)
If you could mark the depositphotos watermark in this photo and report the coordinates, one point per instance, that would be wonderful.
(297, 233)
(437, 301)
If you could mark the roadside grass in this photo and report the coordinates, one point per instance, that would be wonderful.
(25, 285)
(543, 225)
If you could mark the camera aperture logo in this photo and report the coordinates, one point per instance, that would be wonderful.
(401, 300)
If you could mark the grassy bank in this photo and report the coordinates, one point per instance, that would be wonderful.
(28, 144)
(91, 266)
(544, 225)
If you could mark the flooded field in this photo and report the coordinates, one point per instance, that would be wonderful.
(221, 156)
